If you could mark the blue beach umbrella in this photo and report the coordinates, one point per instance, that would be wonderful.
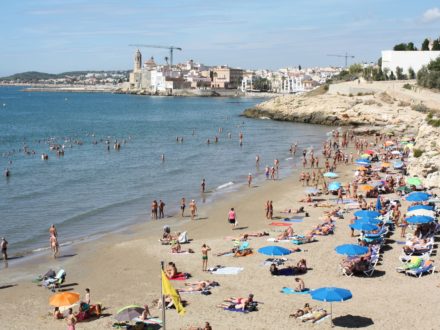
(417, 196)
(365, 162)
(371, 221)
(334, 186)
(351, 250)
(330, 175)
(274, 250)
(398, 164)
(419, 219)
(366, 213)
(331, 294)
(421, 207)
(363, 226)
(378, 204)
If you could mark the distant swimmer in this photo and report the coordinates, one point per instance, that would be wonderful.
(249, 180)
(229, 135)
(194, 132)
(7, 173)
(257, 160)
(162, 158)
(216, 139)
(208, 142)
(203, 186)
(183, 205)
(44, 156)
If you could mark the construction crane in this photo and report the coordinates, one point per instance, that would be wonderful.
(346, 56)
(171, 48)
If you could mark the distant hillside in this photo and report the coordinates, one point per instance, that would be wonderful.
(36, 76)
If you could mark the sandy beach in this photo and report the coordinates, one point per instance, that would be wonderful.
(124, 268)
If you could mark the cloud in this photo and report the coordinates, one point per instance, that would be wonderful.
(431, 15)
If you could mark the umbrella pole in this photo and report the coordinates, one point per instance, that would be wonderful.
(331, 316)
(163, 299)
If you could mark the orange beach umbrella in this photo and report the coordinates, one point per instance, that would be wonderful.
(366, 187)
(64, 299)
(385, 165)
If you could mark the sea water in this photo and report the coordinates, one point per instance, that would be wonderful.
(94, 188)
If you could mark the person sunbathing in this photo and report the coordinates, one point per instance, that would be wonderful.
(168, 238)
(257, 234)
(316, 316)
(243, 252)
(302, 239)
(239, 303)
(286, 234)
(297, 211)
(207, 283)
(200, 287)
(300, 312)
(416, 247)
(308, 199)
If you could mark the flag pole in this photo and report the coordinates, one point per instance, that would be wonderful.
(163, 298)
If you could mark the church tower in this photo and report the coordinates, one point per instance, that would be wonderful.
(137, 61)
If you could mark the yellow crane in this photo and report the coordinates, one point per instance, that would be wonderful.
(170, 48)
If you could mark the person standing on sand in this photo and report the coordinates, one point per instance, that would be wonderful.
(193, 209)
(340, 197)
(232, 218)
(249, 180)
(161, 209)
(71, 320)
(205, 250)
(4, 248)
(87, 296)
(267, 208)
(270, 210)
(203, 186)
(154, 207)
(257, 160)
(54, 246)
(182, 206)
(53, 231)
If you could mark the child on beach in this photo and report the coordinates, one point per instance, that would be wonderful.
(231, 218)
(205, 250)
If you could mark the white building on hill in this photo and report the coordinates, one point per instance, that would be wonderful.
(407, 59)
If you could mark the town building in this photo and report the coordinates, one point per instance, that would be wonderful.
(226, 77)
(407, 59)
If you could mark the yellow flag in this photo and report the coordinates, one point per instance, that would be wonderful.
(167, 289)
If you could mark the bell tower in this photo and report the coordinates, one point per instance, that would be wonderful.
(137, 61)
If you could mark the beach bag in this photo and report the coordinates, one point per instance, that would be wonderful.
(183, 238)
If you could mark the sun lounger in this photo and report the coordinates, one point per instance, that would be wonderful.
(426, 268)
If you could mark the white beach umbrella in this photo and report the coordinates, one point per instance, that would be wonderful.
(427, 213)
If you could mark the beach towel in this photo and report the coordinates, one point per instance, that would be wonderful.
(285, 272)
(228, 271)
(273, 239)
(180, 277)
(236, 310)
(276, 261)
(152, 320)
(279, 224)
(292, 220)
(292, 291)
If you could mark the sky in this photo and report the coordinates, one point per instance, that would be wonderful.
(65, 35)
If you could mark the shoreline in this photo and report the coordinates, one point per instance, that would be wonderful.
(38, 88)
(210, 197)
